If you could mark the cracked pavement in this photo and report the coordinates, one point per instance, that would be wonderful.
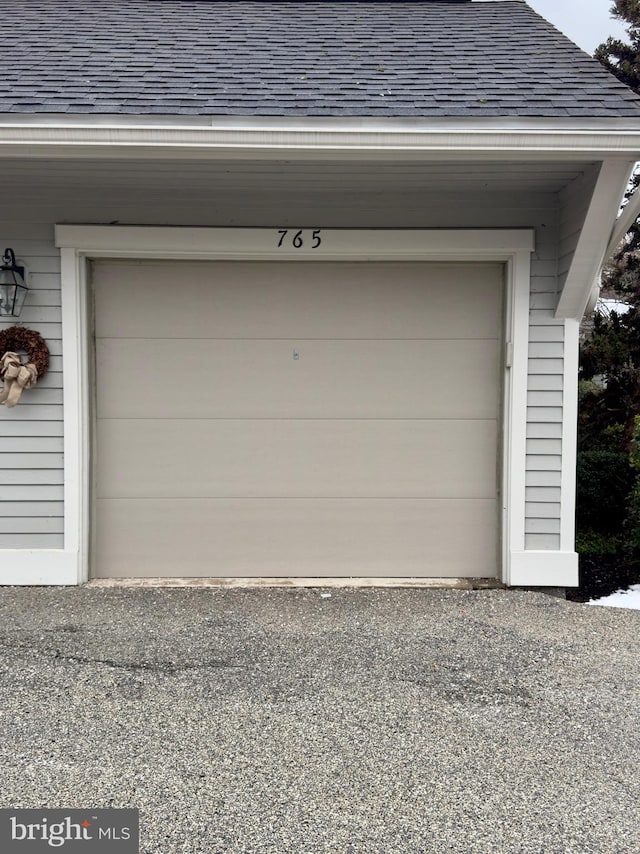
(277, 721)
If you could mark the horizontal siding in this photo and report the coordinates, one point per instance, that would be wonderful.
(31, 461)
(544, 447)
(31, 540)
(544, 398)
(546, 382)
(542, 510)
(31, 435)
(543, 477)
(543, 300)
(36, 411)
(20, 429)
(25, 492)
(546, 366)
(544, 462)
(539, 333)
(544, 401)
(543, 494)
(31, 444)
(542, 542)
(543, 414)
(30, 525)
(14, 477)
(42, 394)
(546, 349)
(42, 509)
(543, 525)
(544, 430)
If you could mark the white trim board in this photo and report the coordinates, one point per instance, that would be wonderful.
(79, 243)
(569, 435)
(544, 569)
(44, 567)
(450, 142)
(346, 244)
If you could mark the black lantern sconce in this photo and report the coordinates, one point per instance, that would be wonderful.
(13, 290)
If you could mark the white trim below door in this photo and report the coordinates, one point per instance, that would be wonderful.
(80, 243)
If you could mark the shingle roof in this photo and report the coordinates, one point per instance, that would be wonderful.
(312, 58)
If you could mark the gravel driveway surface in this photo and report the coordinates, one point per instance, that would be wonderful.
(285, 722)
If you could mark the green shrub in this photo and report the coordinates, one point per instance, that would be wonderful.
(632, 523)
(594, 543)
(605, 480)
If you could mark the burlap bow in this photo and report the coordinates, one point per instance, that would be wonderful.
(16, 377)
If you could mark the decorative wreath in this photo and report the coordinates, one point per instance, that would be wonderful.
(16, 375)
(18, 339)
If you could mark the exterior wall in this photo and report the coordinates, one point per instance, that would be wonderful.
(544, 399)
(31, 487)
(31, 435)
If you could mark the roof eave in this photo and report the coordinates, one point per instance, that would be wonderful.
(115, 137)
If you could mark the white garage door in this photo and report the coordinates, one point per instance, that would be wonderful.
(296, 419)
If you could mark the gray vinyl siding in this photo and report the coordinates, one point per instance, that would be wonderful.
(31, 449)
(31, 434)
(544, 400)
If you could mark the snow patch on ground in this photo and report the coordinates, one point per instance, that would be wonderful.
(621, 599)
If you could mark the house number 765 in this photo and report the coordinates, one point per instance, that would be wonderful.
(297, 239)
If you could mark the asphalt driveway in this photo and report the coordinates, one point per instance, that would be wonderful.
(276, 721)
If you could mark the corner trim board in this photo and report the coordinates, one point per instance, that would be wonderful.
(569, 435)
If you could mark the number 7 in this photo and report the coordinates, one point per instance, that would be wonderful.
(283, 233)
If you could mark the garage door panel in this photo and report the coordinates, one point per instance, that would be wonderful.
(279, 458)
(330, 379)
(296, 300)
(280, 538)
(282, 419)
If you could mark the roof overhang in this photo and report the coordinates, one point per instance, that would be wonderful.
(168, 137)
(598, 228)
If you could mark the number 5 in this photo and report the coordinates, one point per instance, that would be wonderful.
(316, 238)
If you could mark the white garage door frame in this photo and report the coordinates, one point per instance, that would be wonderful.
(78, 244)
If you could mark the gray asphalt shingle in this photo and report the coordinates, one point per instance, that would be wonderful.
(285, 58)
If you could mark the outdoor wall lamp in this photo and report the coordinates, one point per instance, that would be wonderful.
(12, 287)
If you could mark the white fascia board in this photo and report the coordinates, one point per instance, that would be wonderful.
(443, 141)
(592, 246)
(323, 123)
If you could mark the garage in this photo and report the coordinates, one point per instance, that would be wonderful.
(303, 419)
